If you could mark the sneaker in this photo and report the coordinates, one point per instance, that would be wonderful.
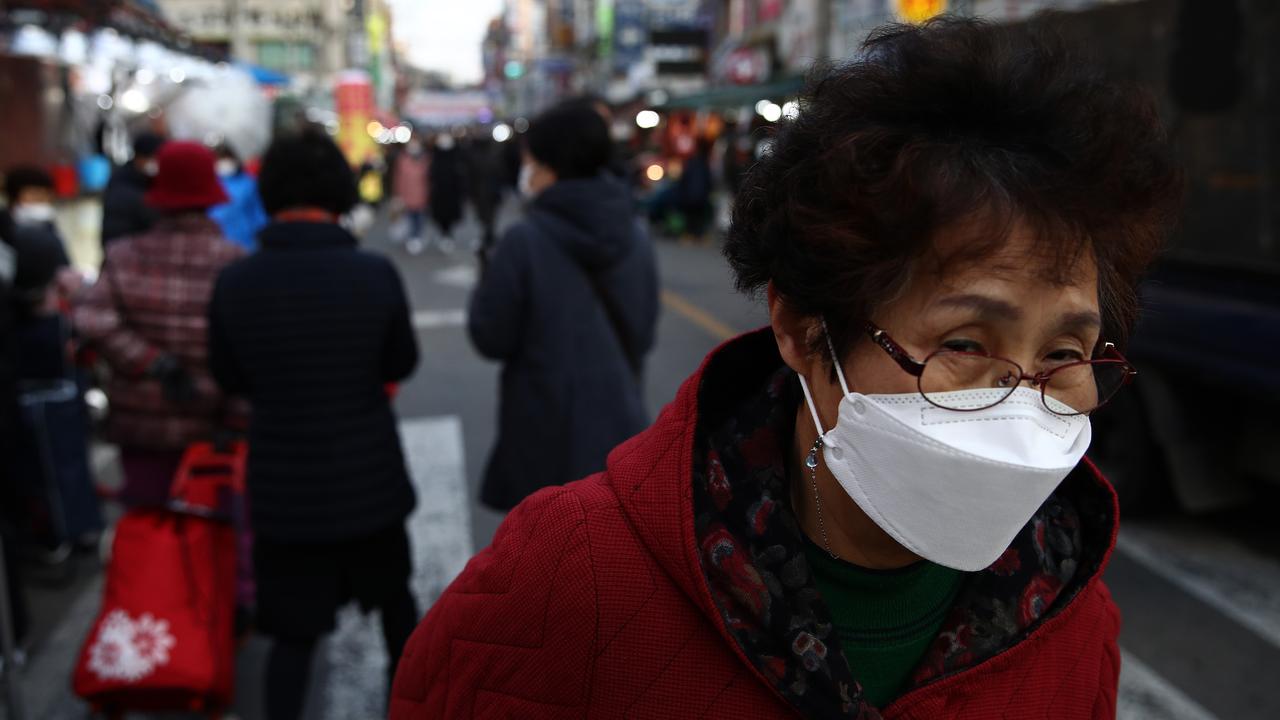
(414, 246)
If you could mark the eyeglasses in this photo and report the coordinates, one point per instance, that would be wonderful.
(1071, 388)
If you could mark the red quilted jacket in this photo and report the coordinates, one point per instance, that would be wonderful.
(610, 598)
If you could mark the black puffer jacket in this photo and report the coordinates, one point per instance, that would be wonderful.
(310, 329)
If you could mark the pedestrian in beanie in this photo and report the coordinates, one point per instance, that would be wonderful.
(878, 506)
(146, 316)
(310, 329)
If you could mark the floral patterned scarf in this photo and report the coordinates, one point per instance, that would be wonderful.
(752, 556)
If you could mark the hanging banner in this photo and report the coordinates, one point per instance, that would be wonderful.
(917, 11)
(353, 101)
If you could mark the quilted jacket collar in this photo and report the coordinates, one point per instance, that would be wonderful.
(733, 544)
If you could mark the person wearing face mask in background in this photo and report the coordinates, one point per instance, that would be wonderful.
(44, 280)
(412, 192)
(568, 303)
(52, 436)
(242, 216)
(878, 506)
(124, 211)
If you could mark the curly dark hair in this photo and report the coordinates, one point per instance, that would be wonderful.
(954, 123)
(306, 168)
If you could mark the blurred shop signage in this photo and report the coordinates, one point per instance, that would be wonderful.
(917, 11)
(679, 50)
(353, 101)
(1016, 10)
(438, 108)
(798, 34)
(746, 66)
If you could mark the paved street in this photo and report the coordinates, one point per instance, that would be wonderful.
(1201, 597)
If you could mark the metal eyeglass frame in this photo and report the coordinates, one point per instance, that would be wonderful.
(1040, 380)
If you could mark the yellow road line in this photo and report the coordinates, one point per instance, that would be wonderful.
(697, 315)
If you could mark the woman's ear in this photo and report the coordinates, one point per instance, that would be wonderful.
(792, 332)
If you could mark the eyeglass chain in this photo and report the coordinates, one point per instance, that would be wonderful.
(811, 462)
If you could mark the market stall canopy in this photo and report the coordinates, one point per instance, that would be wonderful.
(136, 18)
(735, 96)
(264, 76)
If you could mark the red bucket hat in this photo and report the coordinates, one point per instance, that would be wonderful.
(186, 179)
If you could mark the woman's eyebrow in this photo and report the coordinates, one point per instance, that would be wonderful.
(988, 308)
(1079, 321)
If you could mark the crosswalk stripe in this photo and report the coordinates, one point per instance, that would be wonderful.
(440, 535)
(1144, 695)
(1239, 583)
(434, 319)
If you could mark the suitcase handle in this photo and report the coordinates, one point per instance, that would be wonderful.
(207, 472)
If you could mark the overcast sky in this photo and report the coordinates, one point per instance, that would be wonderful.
(444, 35)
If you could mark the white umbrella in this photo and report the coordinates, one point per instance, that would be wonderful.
(226, 106)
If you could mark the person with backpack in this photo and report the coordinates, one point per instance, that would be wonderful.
(569, 304)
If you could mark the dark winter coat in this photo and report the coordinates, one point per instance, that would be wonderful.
(123, 210)
(569, 394)
(310, 329)
(446, 178)
(674, 585)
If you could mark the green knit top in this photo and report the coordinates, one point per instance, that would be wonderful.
(886, 619)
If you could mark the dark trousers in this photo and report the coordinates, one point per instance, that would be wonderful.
(289, 664)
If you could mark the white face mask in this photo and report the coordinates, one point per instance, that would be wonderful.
(524, 184)
(225, 167)
(953, 487)
(151, 168)
(32, 213)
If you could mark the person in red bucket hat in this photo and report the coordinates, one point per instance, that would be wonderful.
(146, 314)
(187, 179)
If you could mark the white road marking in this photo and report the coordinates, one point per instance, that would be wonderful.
(440, 534)
(463, 276)
(1144, 695)
(435, 319)
(1235, 580)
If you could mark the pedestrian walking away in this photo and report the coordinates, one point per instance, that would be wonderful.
(124, 208)
(879, 505)
(568, 303)
(311, 329)
(411, 189)
(446, 187)
(484, 184)
(147, 318)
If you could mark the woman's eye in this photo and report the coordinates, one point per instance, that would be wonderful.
(1065, 355)
(962, 345)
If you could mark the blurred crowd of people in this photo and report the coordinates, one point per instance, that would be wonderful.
(232, 303)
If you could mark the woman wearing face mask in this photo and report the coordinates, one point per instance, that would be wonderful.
(879, 505)
(569, 304)
(242, 216)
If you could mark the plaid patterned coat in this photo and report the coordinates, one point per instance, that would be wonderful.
(152, 298)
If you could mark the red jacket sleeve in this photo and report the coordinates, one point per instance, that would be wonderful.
(514, 634)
